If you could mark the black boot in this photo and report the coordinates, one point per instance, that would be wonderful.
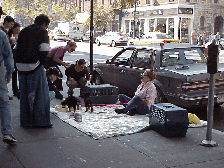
(119, 111)
(132, 112)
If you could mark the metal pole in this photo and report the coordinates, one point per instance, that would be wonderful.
(134, 32)
(91, 39)
(210, 107)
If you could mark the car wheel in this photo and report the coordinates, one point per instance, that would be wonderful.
(160, 96)
(55, 39)
(98, 43)
(97, 79)
(113, 44)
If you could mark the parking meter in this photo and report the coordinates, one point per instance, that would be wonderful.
(212, 61)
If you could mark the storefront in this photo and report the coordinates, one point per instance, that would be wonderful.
(173, 19)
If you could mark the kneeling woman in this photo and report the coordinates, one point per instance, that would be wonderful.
(77, 76)
(144, 96)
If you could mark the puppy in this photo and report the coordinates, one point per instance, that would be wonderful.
(87, 101)
(71, 101)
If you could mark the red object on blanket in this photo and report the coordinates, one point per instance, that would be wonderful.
(105, 104)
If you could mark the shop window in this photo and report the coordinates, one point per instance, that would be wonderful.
(185, 23)
(215, 1)
(102, 2)
(127, 26)
(188, 0)
(147, 1)
(161, 25)
(171, 0)
(142, 23)
(171, 27)
(151, 25)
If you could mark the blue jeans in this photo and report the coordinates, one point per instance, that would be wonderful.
(135, 102)
(4, 104)
(34, 99)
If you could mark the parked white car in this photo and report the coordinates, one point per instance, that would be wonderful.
(153, 37)
(113, 39)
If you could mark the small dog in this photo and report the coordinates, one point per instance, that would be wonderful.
(87, 101)
(71, 101)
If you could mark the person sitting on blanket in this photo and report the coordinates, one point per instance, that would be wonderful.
(144, 96)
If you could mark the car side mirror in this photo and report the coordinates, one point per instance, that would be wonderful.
(108, 62)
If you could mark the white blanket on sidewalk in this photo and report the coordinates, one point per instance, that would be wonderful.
(104, 122)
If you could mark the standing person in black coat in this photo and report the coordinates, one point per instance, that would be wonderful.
(31, 52)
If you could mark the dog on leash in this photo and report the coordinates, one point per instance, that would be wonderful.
(88, 101)
(71, 101)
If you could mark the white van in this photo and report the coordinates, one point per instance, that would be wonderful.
(76, 32)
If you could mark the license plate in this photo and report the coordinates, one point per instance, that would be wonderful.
(220, 98)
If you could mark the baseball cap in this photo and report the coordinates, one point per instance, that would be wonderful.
(1, 12)
(53, 71)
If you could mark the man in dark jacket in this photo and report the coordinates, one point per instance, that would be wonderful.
(31, 52)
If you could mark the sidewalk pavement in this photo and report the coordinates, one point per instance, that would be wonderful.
(63, 146)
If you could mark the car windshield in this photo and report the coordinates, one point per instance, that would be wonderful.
(144, 59)
(181, 57)
(163, 36)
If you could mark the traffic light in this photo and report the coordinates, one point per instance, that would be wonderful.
(212, 61)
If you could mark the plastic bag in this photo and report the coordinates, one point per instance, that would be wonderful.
(193, 118)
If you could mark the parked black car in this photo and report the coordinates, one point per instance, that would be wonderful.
(181, 73)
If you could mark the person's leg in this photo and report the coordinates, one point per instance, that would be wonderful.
(123, 98)
(71, 85)
(81, 84)
(41, 100)
(35, 101)
(25, 119)
(14, 82)
(137, 103)
(4, 105)
(51, 95)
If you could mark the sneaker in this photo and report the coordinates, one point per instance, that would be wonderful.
(119, 111)
(8, 138)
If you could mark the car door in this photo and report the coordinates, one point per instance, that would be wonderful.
(124, 72)
(120, 69)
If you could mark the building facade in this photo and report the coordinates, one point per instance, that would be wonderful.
(180, 18)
